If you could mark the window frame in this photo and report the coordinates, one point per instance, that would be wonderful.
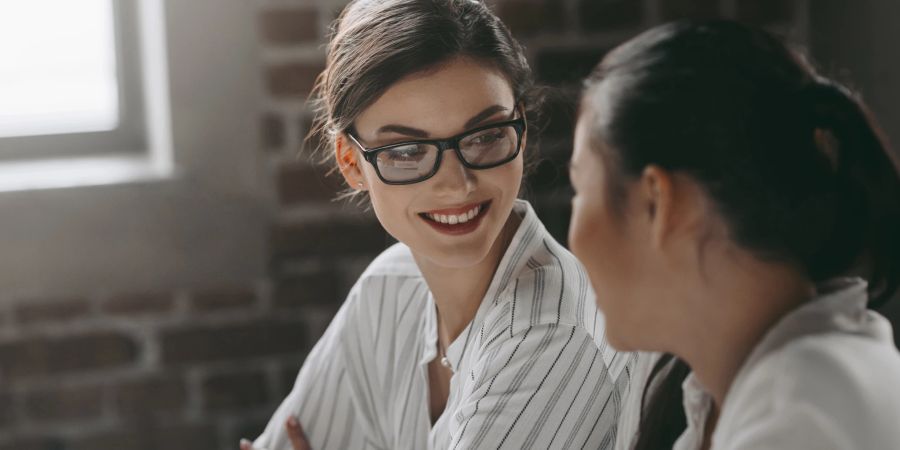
(128, 137)
(192, 208)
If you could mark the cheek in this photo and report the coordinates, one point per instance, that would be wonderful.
(600, 244)
(389, 204)
(509, 176)
(585, 234)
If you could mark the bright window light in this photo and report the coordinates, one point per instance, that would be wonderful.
(57, 67)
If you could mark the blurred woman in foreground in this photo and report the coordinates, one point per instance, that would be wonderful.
(740, 213)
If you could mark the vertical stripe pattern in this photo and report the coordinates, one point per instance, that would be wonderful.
(530, 371)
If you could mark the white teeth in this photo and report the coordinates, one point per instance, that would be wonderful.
(455, 219)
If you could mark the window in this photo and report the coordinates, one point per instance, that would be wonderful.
(136, 168)
(69, 78)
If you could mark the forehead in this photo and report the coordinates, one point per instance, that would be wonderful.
(439, 101)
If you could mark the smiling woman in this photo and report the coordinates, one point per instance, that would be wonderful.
(476, 330)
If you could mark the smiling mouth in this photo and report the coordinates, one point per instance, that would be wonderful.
(457, 220)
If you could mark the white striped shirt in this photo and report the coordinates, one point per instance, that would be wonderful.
(530, 371)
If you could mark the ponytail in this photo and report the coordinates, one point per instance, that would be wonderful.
(867, 184)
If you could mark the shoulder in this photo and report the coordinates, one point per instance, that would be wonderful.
(392, 281)
(396, 260)
(550, 288)
(391, 271)
(847, 383)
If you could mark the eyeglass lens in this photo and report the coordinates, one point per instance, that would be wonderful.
(414, 161)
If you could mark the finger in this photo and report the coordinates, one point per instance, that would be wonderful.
(296, 434)
(246, 445)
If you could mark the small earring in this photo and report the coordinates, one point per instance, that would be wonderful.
(359, 184)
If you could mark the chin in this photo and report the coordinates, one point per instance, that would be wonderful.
(617, 332)
(618, 342)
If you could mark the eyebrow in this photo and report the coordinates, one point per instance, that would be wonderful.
(415, 132)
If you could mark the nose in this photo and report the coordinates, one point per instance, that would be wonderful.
(452, 177)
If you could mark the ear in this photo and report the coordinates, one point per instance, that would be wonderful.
(656, 203)
(348, 162)
(674, 206)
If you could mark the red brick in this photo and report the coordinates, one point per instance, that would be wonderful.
(222, 298)
(69, 403)
(294, 291)
(294, 80)
(290, 26)
(189, 344)
(300, 183)
(690, 9)
(272, 131)
(601, 15)
(139, 304)
(41, 356)
(155, 394)
(327, 239)
(57, 310)
(150, 435)
(530, 17)
(234, 391)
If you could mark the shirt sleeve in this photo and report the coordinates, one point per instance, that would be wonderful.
(322, 398)
(544, 387)
(630, 415)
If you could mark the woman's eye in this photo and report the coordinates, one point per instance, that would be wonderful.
(487, 138)
(407, 153)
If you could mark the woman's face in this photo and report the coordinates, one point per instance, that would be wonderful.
(440, 103)
(606, 241)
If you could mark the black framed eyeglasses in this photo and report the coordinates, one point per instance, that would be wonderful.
(410, 162)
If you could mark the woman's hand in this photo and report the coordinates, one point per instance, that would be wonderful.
(295, 434)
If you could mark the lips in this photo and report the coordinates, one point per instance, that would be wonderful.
(459, 220)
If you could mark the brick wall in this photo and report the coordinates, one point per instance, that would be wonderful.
(198, 370)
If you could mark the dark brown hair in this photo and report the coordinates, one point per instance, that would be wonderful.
(375, 43)
(793, 162)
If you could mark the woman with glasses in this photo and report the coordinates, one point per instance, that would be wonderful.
(476, 330)
(729, 203)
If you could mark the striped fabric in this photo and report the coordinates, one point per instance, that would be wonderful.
(530, 371)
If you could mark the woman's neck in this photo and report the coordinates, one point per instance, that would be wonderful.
(732, 315)
(458, 291)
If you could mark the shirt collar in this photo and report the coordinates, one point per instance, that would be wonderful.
(840, 305)
(523, 237)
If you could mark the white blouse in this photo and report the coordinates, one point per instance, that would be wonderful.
(826, 376)
(530, 371)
